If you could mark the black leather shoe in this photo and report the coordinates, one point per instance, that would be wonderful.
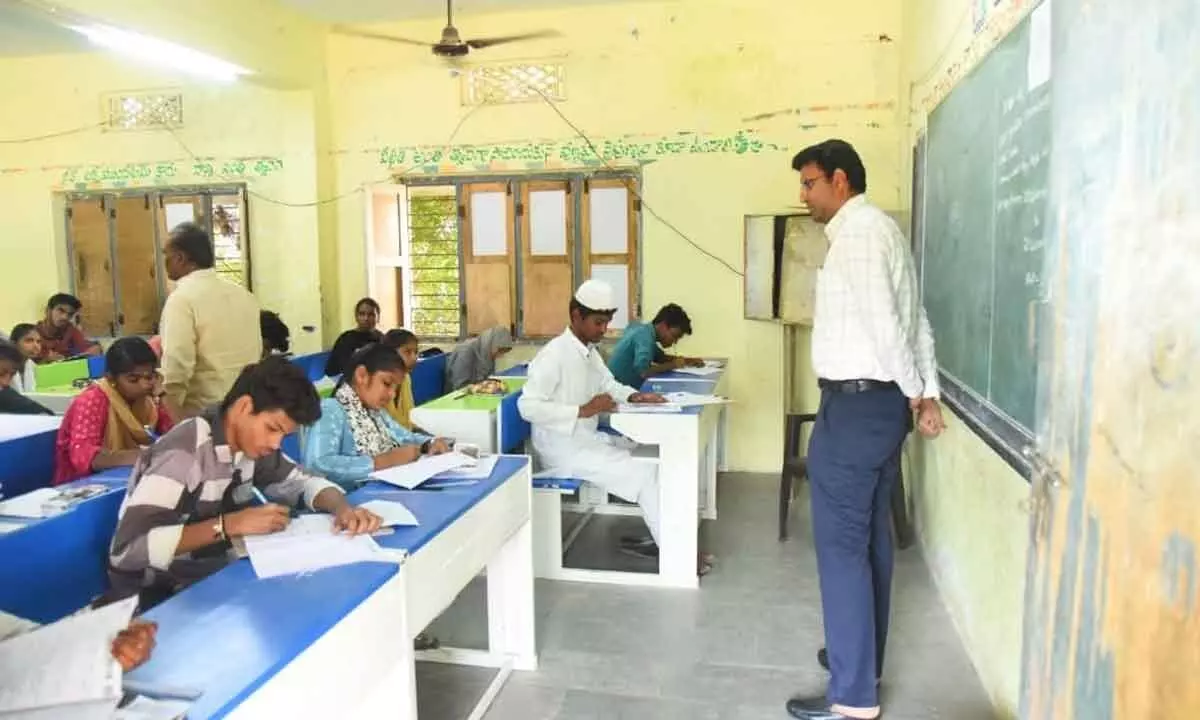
(813, 709)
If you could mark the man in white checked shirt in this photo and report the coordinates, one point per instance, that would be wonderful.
(873, 352)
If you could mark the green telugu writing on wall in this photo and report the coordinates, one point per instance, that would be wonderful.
(158, 173)
(418, 158)
(575, 152)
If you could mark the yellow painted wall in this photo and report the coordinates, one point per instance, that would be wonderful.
(967, 501)
(643, 73)
(242, 132)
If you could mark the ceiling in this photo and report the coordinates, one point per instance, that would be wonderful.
(346, 11)
(27, 32)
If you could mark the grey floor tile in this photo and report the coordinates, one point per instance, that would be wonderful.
(524, 700)
(735, 650)
(584, 705)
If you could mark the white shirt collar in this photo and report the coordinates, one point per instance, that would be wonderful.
(583, 348)
(196, 275)
(839, 218)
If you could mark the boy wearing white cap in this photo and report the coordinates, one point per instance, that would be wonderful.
(569, 386)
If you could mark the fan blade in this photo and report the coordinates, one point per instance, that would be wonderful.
(342, 30)
(490, 42)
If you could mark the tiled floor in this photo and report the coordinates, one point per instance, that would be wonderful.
(734, 650)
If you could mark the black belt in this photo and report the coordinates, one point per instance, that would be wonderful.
(856, 386)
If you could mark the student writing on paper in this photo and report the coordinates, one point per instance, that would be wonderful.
(109, 423)
(475, 360)
(192, 492)
(131, 647)
(27, 339)
(11, 401)
(639, 354)
(61, 337)
(365, 332)
(355, 436)
(569, 386)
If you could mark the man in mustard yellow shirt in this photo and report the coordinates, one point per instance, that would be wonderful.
(209, 326)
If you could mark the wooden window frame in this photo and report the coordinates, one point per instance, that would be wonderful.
(154, 200)
(518, 231)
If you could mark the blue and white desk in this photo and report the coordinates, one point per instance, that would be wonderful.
(516, 371)
(54, 566)
(465, 530)
(26, 452)
(327, 644)
(718, 384)
(338, 642)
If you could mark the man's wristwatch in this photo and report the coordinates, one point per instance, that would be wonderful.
(425, 447)
(219, 527)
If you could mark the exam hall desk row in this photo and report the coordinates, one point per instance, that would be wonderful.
(688, 446)
(51, 567)
(26, 452)
(338, 642)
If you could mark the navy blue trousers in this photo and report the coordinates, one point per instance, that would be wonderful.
(853, 463)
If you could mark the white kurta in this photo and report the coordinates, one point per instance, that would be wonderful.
(565, 375)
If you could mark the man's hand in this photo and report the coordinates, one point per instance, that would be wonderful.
(439, 446)
(355, 520)
(262, 520)
(647, 398)
(131, 647)
(694, 362)
(600, 404)
(929, 418)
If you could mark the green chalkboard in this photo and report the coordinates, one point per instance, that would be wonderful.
(984, 175)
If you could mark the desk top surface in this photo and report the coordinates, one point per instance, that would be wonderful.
(458, 400)
(516, 371)
(699, 386)
(230, 633)
(436, 509)
(15, 427)
(55, 565)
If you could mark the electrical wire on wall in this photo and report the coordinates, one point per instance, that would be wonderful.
(407, 170)
(51, 136)
(336, 198)
(596, 151)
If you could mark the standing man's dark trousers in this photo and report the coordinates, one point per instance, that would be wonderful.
(853, 463)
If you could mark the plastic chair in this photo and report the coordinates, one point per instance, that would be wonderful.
(795, 466)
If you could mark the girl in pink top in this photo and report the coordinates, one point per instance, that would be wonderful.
(110, 422)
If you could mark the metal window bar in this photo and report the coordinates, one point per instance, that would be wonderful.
(435, 278)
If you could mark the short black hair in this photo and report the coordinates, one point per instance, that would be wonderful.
(194, 243)
(275, 333)
(368, 301)
(674, 317)
(128, 353)
(398, 338)
(20, 330)
(585, 310)
(275, 383)
(64, 299)
(12, 354)
(831, 156)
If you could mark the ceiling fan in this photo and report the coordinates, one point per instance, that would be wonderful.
(451, 45)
